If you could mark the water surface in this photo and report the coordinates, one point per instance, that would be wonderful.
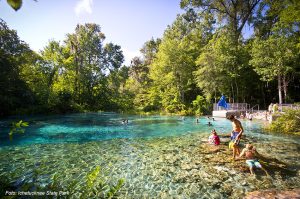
(159, 156)
(103, 126)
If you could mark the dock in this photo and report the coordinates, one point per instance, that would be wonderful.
(235, 109)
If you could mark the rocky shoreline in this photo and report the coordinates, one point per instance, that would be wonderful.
(270, 194)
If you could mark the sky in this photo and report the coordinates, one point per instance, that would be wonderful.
(128, 23)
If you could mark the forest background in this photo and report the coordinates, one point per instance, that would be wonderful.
(202, 55)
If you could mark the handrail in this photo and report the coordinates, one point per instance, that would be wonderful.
(232, 106)
(255, 106)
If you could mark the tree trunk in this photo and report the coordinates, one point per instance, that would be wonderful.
(232, 92)
(76, 77)
(285, 85)
(237, 90)
(279, 89)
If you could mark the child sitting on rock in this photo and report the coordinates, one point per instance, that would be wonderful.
(249, 152)
(214, 138)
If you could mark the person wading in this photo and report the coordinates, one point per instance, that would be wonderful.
(236, 134)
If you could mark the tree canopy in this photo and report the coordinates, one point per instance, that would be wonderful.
(203, 54)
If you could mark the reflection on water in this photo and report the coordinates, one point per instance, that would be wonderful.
(154, 163)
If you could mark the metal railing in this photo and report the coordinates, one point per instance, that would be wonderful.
(232, 106)
(252, 108)
(284, 107)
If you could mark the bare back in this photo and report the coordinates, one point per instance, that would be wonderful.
(249, 153)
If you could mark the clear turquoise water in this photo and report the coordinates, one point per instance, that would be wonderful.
(104, 126)
(158, 156)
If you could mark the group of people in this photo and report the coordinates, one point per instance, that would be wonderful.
(249, 152)
(208, 123)
(248, 116)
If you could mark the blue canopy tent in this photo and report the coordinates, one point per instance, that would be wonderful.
(222, 102)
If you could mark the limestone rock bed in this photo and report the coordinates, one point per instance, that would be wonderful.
(170, 167)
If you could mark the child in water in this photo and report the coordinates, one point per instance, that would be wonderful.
(249, 152)
(214, 138)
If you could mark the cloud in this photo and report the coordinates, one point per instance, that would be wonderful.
(128, 55)
(83, 6)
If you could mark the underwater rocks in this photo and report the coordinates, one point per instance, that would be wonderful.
(271, 193)
(172, 167)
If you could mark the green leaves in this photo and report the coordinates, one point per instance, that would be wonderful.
(15, 4)
(91, 177)
(174, 63)
(289, 122)
(217, 65)
(273, 56)
(97, 185)
(17, 127)
(114, 189)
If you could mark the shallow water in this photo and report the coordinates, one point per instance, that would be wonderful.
(159, 156)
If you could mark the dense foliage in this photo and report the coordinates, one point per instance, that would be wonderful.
(202, 55)
(287, 123)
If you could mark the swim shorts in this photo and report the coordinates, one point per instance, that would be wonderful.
(234, 138)
(252, 163)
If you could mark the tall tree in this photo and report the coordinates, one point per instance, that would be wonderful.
(53, 61)
(14, 54)
(275, 57)
(172, 70)
(149, 50)
(113, 57)
(139, 82)
(87, 49)
(277, 25)
(235, 13)
(233, 16)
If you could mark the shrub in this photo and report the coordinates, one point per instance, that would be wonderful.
(287, 123)
(200, 105)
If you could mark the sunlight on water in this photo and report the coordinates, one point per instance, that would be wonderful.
(103, 126)
(159, 156)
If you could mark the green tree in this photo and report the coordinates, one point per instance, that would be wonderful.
(121, 99)
(275, 57)
(235, 13)
(92, 61)
(53, 65)
(230, 17)
(113, 57)
(139, 82)
(172, 71)
(214, 74)
(149, 50)
(14, 55)
(86, 47)
(223, 69)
